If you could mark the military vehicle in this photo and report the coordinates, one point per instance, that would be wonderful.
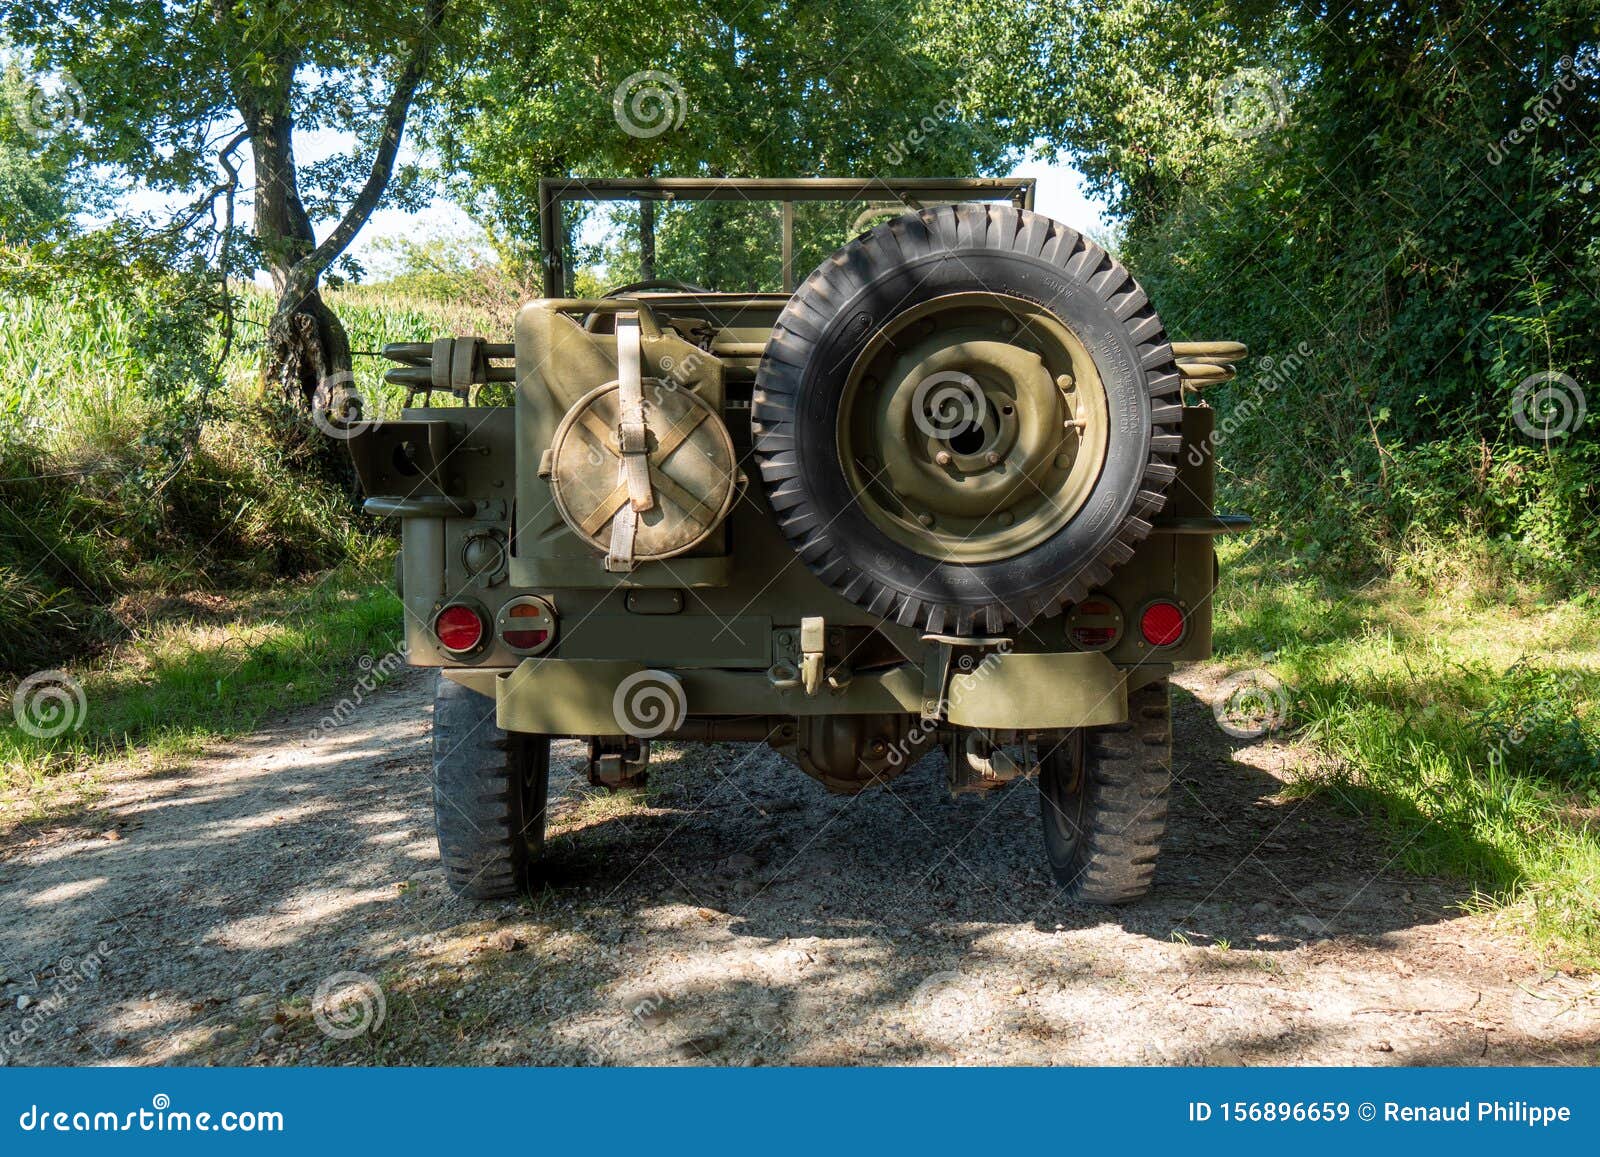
(944, 493)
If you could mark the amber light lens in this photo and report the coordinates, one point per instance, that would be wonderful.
(458, 628)
(1161, 624)
(529, 639)
(1092, 637)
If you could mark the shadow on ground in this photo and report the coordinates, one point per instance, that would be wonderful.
(735, 914)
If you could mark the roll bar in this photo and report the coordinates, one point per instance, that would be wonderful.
(912, 192)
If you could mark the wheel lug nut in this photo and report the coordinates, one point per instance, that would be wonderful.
(925, 518)
(943, 458)
(992, 458)
(1066, 383)
(1063, 461)
(1004, 518)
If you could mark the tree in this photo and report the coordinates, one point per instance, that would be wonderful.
(1408, 192)
(36, 193)
(696, 88)
(172, 90)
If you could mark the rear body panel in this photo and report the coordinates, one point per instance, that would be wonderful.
(481, 527)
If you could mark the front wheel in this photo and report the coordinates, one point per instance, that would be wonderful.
(489, 792)
(1103, 797)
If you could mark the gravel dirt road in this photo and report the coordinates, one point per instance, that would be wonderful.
(279, 901)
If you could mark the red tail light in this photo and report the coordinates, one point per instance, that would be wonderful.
(1095, 624)
(1161, 624)
(458, 628)
(526, 624)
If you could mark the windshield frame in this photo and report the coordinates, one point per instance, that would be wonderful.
(912, 192)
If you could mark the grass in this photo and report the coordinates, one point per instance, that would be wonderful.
(374, 316)
(1462, 713)
(198, 671)
(188, 590)
(1458, 712)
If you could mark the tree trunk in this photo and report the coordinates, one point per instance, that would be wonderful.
(647, 239)
(307, 350)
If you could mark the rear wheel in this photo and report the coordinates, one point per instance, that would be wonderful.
(1103, 797)
(489, 791)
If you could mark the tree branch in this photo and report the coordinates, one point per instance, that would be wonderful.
(304, 273)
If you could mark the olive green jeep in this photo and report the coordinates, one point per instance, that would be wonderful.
(945, 493)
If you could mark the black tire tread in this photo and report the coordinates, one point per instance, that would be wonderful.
(1127, 774)
(489, 789)
(951, 229)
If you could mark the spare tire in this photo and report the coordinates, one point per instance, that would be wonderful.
(966, 417)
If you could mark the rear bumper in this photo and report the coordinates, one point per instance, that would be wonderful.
(1004, 691)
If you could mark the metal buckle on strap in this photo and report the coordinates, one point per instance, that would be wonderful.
(632, 437)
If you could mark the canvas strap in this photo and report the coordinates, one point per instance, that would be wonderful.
(633, 439)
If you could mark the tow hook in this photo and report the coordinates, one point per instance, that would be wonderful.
(618, 763)
(989, 762)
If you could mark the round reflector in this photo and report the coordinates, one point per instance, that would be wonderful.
(1161, 624)
(458, 628)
